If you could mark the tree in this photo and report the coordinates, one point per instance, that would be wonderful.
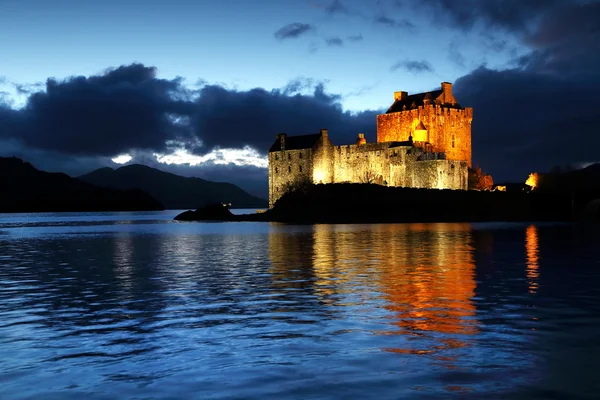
(369, 177)
(300, 184)
(478, 180)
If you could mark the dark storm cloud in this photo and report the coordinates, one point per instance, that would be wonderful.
(232, 119)
(513, 15)
(293, 30)
(414, 66)
(129, 109)
(124, 108)
(543, 112)
(567, 41)
(566, 23)
(334, 42)
(526, 121)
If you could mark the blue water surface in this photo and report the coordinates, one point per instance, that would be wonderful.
(136, 305)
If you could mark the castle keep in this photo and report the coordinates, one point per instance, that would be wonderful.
(423, 141)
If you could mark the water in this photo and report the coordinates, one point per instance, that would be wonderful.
(135, 305)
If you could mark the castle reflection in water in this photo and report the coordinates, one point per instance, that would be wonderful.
(422, 276)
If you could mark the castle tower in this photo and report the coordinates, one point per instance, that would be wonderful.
(434, 118)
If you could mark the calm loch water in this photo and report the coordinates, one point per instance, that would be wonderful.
(134, 305)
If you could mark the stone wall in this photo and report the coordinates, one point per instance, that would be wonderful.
(448, 128)
(437, 174)
(286, 167)
(365, 163)
(381, 163)
(323, 159)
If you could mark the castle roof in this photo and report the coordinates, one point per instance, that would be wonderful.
(296, 142)
(416, 100)
(420, 127)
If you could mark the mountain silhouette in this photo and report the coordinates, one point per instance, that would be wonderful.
(174, 191)
(27, 189)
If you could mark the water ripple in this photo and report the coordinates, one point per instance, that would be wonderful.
(112, 308)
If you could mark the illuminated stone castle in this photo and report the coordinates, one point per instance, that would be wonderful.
(423, 141)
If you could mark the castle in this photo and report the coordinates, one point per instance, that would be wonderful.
(423, 141)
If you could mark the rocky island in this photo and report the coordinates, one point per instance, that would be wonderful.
(372, 203)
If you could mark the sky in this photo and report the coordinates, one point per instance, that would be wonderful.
(200, 88)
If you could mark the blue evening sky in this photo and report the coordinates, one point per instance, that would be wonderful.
(232, 42)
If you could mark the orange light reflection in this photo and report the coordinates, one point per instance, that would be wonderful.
(532, 250)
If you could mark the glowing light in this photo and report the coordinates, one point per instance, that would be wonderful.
(122, 159)
(533, 180)
(532, 250)
(240, 157)
(318, 175)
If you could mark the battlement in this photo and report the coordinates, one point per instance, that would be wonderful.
(423, 141)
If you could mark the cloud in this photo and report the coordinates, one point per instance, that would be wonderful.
(541, 112)
(235, 119)
(336, 7)
(300, 85)
(334, 42)
(393, 23)
(455, 55)
(566, 42)
(511, 15)
(414, 66)
(27, 88)
(566, 23)
(526, 121)
(293, 31)
(129, 110)
(101, 115)
(355, 38)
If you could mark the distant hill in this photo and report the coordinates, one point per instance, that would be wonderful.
(174, 191)
(578, 180)
(23, 188)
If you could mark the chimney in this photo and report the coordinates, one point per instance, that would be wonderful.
(324, 133)
(361, 139)
(400, 95)
(447, 88)
(281, 137)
